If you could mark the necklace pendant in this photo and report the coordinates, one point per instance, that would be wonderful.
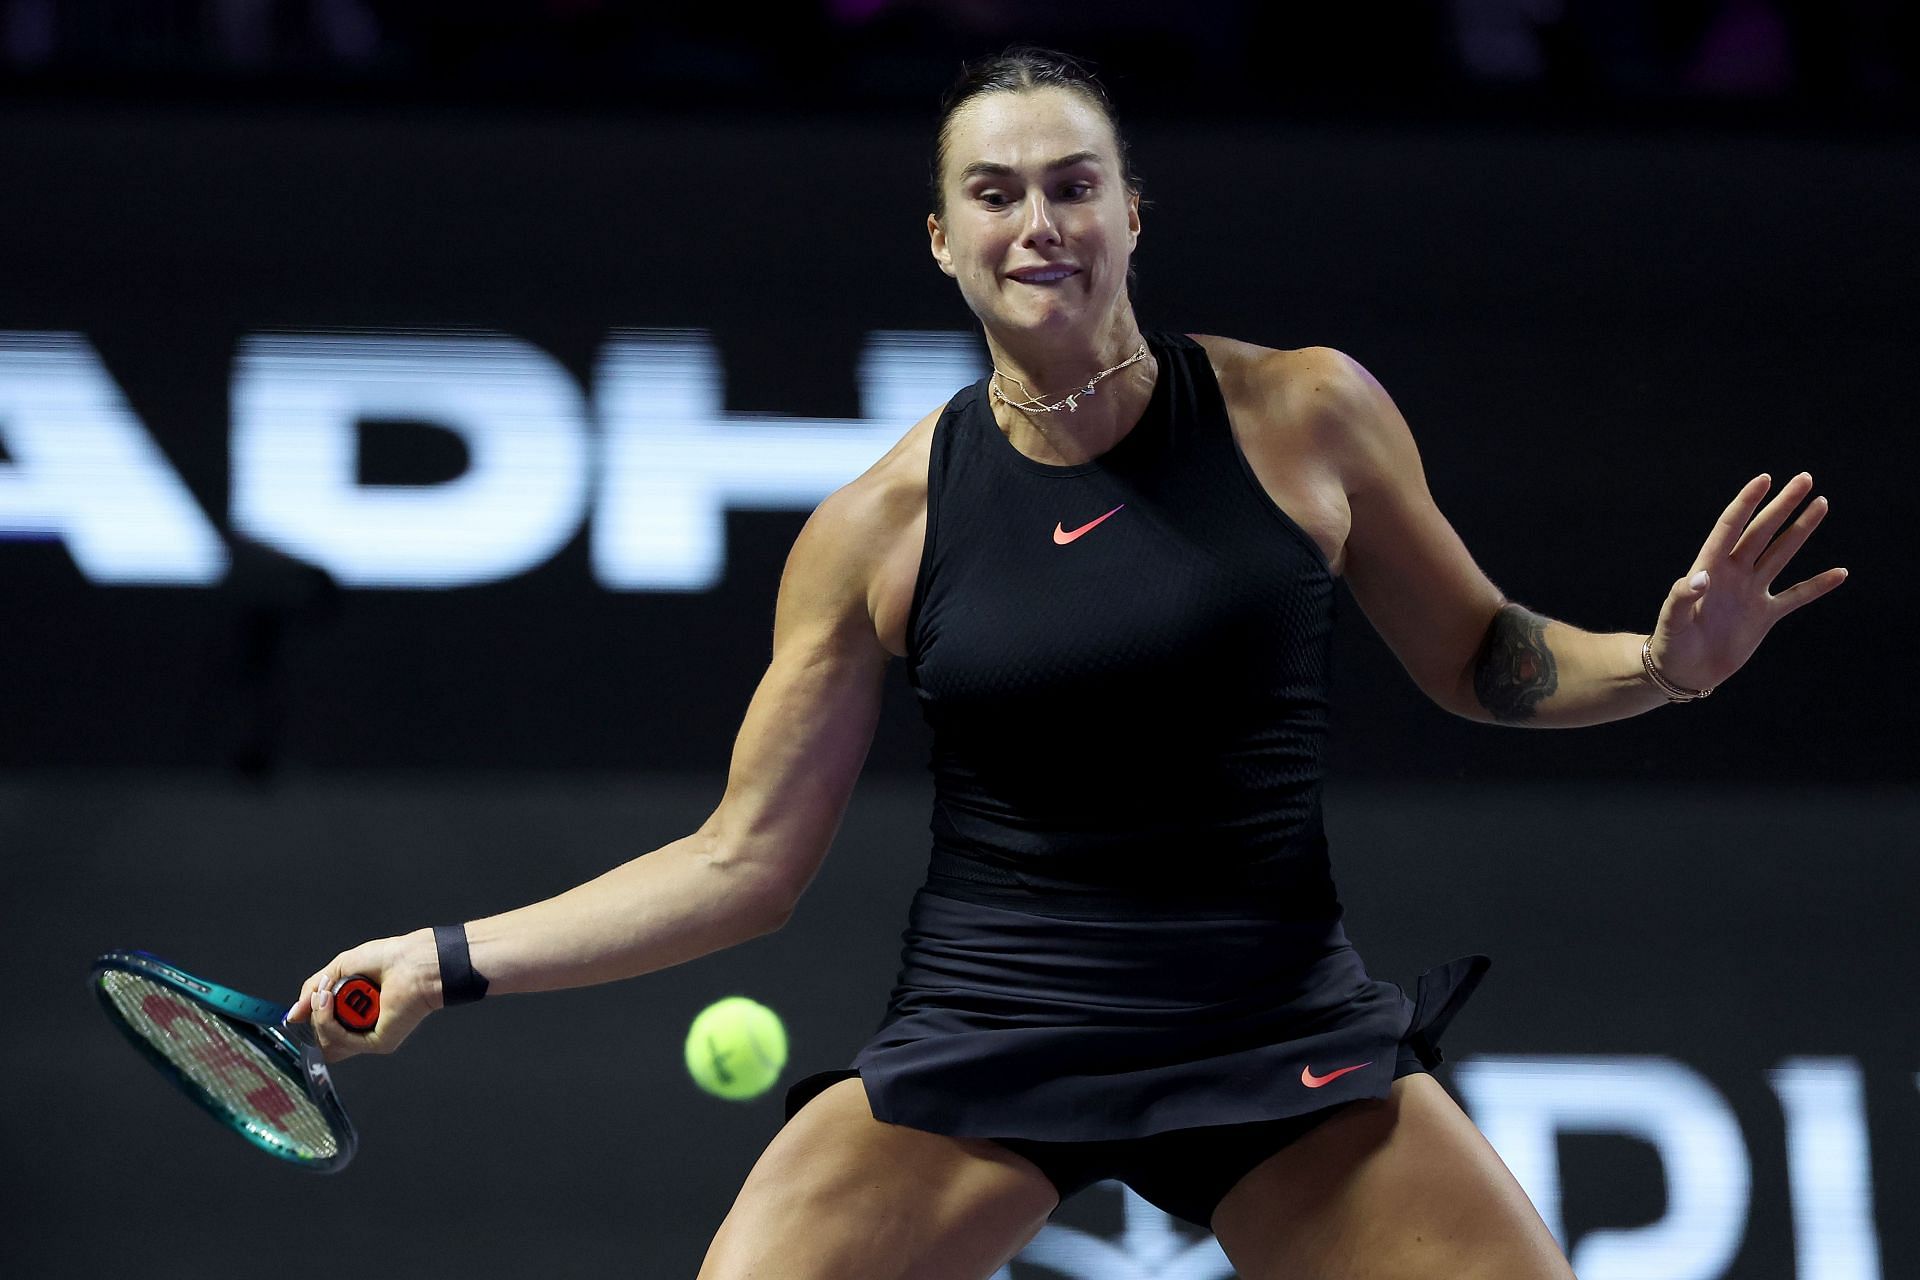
(1073, 405)
(1089, 390)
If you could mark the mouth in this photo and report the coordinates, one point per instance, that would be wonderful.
(1043, 276)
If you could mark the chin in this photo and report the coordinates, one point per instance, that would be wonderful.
(1055, 318)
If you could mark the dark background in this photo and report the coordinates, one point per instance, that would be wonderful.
(1596, 338)
(1610, 264)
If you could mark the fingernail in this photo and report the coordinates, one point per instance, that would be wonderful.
(319, 1000)
(1698, 580)
(291, 1010)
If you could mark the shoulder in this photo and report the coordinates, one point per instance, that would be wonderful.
(1306, 382)
(857, 526)
(890, 491)
(1319, 391)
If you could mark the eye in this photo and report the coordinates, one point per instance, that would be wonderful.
(994, 199)
(1075, 190)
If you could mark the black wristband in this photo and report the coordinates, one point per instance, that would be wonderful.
(459, 982)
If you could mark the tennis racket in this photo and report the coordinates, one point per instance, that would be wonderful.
(234, 1055)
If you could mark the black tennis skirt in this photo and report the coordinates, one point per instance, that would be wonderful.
(1013, 1023)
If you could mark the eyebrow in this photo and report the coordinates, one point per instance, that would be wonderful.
(1002, 170)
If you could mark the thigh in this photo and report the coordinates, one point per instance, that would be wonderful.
(840, 1194)
(1399, 1188)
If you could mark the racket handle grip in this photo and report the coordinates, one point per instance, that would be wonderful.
(356, 1003)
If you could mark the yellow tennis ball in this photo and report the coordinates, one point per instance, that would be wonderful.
(736, 1048)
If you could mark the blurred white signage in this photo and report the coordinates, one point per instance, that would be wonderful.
(650, 463)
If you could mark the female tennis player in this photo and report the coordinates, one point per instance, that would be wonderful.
(1110, 567)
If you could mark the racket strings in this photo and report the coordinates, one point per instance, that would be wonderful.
(232, 1071)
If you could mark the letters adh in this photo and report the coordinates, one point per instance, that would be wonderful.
(649, 464)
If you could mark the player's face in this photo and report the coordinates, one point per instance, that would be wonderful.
(1039, 226)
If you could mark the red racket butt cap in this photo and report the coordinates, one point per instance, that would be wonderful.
(356, 1004)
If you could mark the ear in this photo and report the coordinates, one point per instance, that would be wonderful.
(937, 241)
(1133, 218)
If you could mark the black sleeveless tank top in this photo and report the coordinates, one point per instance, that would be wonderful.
(1125, 666)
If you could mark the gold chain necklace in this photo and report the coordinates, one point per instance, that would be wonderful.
(1033, 403)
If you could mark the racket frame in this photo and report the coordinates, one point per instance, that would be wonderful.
(290, 1045)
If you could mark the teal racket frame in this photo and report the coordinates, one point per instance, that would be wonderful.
(261, 1022)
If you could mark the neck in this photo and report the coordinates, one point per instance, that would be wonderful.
(1054, 368)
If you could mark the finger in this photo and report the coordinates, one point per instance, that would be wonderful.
(316, 994)
(335, 1042)
(1754, 541)
(1804, 593)
(1689, 588)
(301, 1008)
(1783, 548)
(1726, 530)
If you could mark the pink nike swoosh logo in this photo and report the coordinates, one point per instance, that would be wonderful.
(1062, 536)
(1313, 1081)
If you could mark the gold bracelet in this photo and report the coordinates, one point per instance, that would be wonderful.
(1673, 691)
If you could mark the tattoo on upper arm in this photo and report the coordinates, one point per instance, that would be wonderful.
(1514, 670)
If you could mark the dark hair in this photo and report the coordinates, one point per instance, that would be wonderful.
(1020, 69)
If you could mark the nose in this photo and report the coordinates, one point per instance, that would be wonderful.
(1040, 228)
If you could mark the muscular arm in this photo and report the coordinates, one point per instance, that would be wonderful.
(1533, 671)
(795, 761)
(1469, 648)
(799, 750)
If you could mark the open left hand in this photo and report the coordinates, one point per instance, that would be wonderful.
(1716, 616)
